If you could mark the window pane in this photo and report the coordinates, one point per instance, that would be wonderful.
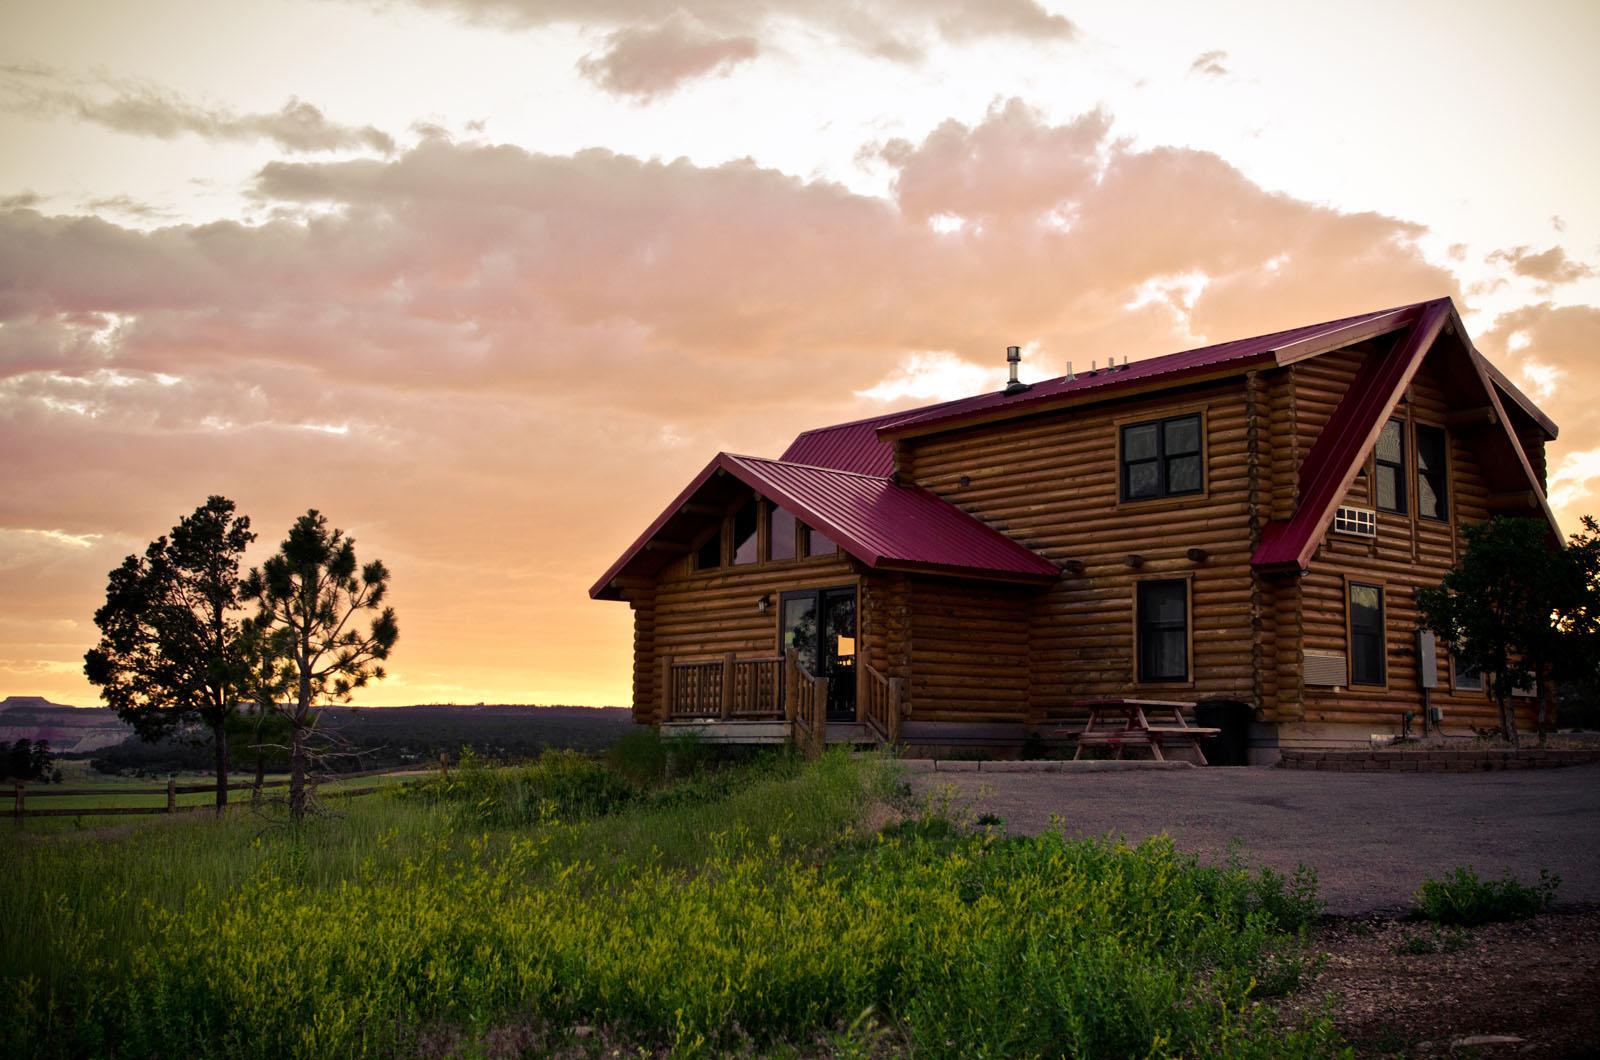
(780, 531)
(710, 554)
(1165, 656)
(1139, 443)
(1366, 635)
(1163, 622)
(1183, 436)
(800, 629)
(818, 544)
(1391, 449)
(744, 533)
(1466, 677)
(1388, 483)
(1183, 474)
(1432, 480)
(1144, 480)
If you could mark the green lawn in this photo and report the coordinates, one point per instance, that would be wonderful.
(568, 905)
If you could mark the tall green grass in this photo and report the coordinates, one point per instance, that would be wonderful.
(757, 917)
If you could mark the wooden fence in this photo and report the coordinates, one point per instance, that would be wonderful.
(173, 789)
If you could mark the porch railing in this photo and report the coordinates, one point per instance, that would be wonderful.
(883, 708)
(723, 688)
(805, 702)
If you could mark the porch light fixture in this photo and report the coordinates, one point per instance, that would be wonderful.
(764, 603)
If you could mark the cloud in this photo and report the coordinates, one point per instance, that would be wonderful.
(646, 63)
(142, 109)
(655, 46)
(1548, 267)
(523, 355)
(1211, 64)
(20, 201)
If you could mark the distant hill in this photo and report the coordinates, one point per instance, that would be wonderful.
(69, 730)
(382, 736)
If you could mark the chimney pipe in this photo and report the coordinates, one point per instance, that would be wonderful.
(1013, 360)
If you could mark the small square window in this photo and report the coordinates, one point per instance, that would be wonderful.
(1162, 458)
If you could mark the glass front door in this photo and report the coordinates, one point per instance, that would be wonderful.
(820, 625)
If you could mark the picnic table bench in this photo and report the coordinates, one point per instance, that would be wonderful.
(1123, 723)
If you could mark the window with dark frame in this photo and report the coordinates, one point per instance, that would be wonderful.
(1162, 621)
(819, 544)
(780, 533)
(1433, 479)
(1367, 643)
(745, 524)
(1389, 459)
(709, 555)
(1464, 677)
(1161, 458)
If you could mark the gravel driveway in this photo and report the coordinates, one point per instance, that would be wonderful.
(1371, 837)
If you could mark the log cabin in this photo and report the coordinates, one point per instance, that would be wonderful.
(1244, 524)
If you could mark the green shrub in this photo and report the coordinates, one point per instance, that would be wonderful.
(557, 786)
(1417, 944)
(1462, 898)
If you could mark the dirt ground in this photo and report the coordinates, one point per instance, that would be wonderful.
(1396, 987)
(1529, 989)
(1372, 837)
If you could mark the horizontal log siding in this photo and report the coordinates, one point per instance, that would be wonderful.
(1408, 552)
(968, 651)
(703, 614)
(1051, 483)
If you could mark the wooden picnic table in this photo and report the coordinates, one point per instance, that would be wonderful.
(1122, 723)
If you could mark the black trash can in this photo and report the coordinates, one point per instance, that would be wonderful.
(1231, 745)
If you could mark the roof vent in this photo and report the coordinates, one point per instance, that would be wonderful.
(1013, 359)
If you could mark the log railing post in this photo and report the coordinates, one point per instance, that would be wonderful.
(172, 796)
(894, 709)
(666, 688)
(727, 686)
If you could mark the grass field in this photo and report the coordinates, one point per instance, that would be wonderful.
(656, 904)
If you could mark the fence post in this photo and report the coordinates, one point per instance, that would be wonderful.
(727, 685)
(19, 810)
(896, 693)
(172, 796)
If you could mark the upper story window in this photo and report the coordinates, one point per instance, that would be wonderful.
(1368, 647)
(744, 533)
(1390, 468)
(1162, 617)
(819, 544)
(709, 555)
(1433, 479)
(1161, 458)
(781, 529)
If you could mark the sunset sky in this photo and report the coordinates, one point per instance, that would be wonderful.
(487, 281)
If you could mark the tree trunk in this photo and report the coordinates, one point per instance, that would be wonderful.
(297, 774)
(261, 777)
(1508, 719)
(1545, 715)
(219, 739)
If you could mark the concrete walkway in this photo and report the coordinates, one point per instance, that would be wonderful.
(1371, 837)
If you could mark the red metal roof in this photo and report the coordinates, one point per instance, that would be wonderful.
(853, 446)
(883, 525)
(1279, 347)
(887, 525)
(1350, 433)
(1341, 445)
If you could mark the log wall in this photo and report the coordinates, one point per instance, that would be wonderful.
(693, 614)
(1051, 482)
(1409, 552)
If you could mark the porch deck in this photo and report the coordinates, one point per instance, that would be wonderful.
(773, 699)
